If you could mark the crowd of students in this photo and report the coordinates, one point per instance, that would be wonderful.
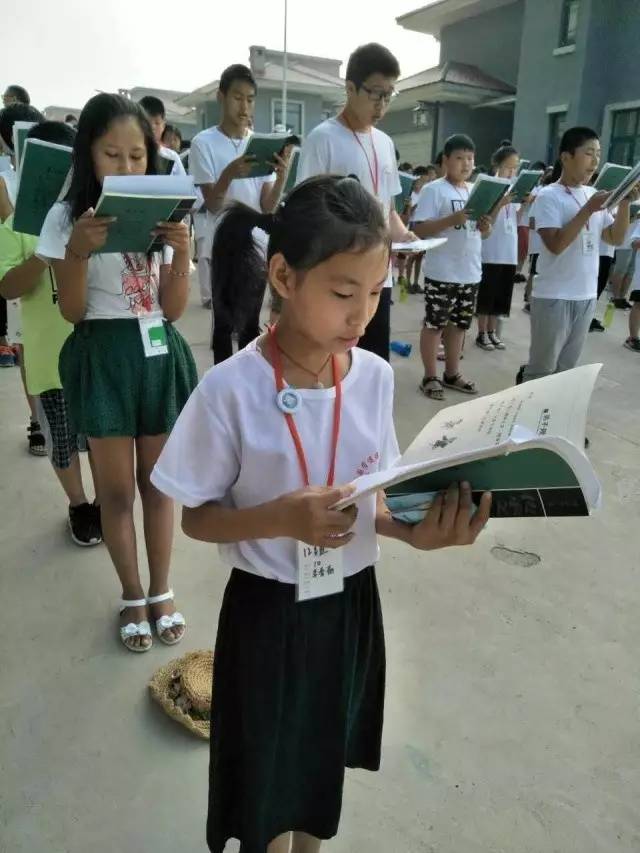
(261, 449)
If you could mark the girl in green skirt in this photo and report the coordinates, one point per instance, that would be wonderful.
(258, 458)
(122, 394)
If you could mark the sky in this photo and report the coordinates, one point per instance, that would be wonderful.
(63, 52)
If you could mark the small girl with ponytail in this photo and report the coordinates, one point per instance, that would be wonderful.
(259, 457)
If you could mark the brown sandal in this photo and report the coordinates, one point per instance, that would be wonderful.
(459, 383)
(431, 387)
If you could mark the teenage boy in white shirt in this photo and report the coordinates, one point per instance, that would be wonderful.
(220, 168)
(351, 144)
(452, 271)
(571, 220)
(154, 108)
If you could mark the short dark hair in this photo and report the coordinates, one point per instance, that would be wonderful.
(458, 142)
(53, 131)
(152, 106)
(421, 170)
(537, 165)
(236, 72)
(371, 59)
(70, 117)
(505, 150)
(406, 167)
(574, 137)
(19, 93)
(13, 113)
(321, 217)
(171, 128)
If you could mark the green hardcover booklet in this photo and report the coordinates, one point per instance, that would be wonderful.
(628, 182)
(293, 172)
(20, 132)
(524, 164)
(524, 444)
(262, 147)
(406, 182)
(485, 193)
(139, 202)
(611, 176)
(45, 168)
(524, 183)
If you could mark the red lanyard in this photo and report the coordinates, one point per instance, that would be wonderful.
(295, 435)
(568, 191)
(372, 171)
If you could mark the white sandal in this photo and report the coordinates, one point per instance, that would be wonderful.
(175, 620)
(135, 629)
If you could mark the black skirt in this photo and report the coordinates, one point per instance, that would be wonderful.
(298, 695)
(496, 290)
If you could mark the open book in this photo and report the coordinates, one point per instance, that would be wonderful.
(524, 444)
(263, 146)
(624, 187)
(292, 174)
(527, 179)
(45, 168)
(611, 175)
(139, 202)
(486, 192)
(418, 246)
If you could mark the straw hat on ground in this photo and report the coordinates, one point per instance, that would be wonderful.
(183, 688)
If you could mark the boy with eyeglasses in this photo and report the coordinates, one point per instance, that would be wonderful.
(351, 144)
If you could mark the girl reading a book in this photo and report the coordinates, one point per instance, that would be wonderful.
(258, 458)
(125, 369)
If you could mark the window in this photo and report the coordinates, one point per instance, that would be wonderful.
(557, 126)
(624, 147)
(295, 115)
(569, 25)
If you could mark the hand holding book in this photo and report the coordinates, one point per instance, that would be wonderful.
(89, 234)
(173, 234)
(240, 167)
(451, 520)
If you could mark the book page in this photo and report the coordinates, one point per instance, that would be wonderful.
(167, 186)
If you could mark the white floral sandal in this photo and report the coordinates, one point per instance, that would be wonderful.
(135, 629)
(164, 623)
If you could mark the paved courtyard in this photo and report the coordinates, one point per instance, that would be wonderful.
(512, 714)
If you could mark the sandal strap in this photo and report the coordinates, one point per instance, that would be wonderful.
(123, 604)
(135, 629)
(157, 599)
(175, 620)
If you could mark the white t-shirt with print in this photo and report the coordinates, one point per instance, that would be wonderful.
(501, 246)
(332, 149)
(210, 153)
(119, 286)
(231, 445)
(459, 260)
(573, 274)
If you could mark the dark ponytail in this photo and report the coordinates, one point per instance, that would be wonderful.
(554, 177)
(321, 217)
(505, 150)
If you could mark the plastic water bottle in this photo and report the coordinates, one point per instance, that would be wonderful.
(609, 314)
(400, 348)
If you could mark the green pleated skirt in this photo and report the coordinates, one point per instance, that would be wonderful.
(113, 389)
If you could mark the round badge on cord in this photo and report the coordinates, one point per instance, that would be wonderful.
(289, 401)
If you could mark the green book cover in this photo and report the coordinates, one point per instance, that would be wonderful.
(20, 132)
(524, 164)
(45, 167)
(263, 146)
(524, 183)
(611, 176)
(137, 217)
(485, 194)
(406, 182)
(293, 172)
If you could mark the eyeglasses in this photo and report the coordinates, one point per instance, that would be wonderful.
(378, 96)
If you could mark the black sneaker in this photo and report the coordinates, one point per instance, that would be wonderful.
(97, 517)
(596, 326)
(519, 278)
(37, 443)
(633, 344)
(82, 525)
(622, 304)
(484, 342)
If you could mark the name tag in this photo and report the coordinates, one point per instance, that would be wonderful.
(509, 226)
(154, 336)
(588, 243)
(320, 572)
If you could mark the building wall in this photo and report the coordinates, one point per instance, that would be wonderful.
(491, 41)
(487, 127)
(209, 113)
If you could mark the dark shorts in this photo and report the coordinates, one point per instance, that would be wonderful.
(447, 303)
(62, 441)
(113, 389)
(634, 296)
(533, 263)
(496, 290)
(298, 695)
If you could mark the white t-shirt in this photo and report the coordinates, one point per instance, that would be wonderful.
(210, 153)
(634, 234)
(11, 182)
(178, 165)
(501, 246)
(573, 274)
(459, 260)
(119, 287)
(534, 238)
(231, 444)
(332, 149)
